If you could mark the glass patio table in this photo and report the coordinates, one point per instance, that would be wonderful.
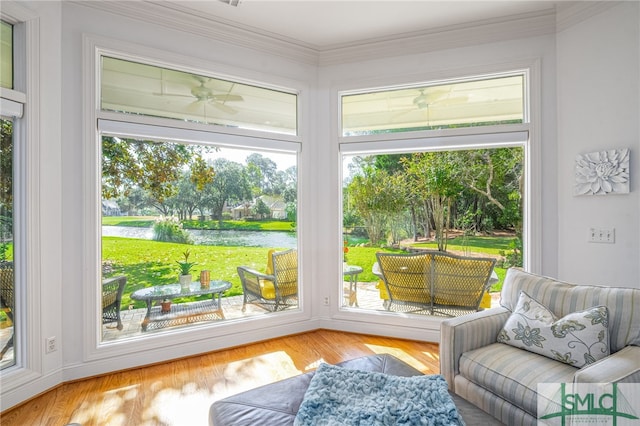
(159, 316)
(351, 272)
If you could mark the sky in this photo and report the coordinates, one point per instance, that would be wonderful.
(282, 160)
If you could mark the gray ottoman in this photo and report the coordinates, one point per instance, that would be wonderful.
(278, 403)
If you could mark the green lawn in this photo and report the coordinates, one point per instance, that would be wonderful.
(244, 225)
(135, 221)
(487, 245)
(147, 263)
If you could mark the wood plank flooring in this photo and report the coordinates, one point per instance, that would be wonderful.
(180, 392)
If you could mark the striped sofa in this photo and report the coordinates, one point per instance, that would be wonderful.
(502, 379)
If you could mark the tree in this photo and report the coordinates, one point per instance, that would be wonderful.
(155, 167)
(6, 186)
(135, 201)
(6, 164)
(187, 197)
(262, 173)
(229, 184)
(495, 178)
(375, 198)
(433, 179)
(261, 209)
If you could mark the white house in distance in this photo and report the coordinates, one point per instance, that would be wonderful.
(275, 203)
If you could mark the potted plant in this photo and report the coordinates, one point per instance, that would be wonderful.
(166, 306)
(345, 250)
(185, 271)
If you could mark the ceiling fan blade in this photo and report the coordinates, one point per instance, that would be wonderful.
(227, 98)
(195, 106)
(171, 95)
(223, 107)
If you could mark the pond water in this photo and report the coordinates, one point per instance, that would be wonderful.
(202, 237)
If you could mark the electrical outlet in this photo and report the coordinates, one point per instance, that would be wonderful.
(326, 301)
(602, 235)
(50, 344)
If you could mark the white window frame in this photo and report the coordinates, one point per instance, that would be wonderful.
(95, 123)
(526, 135)
(22, 103)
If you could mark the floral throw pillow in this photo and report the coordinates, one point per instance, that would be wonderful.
(578, 339)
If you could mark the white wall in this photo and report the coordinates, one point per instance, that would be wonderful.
(41, 316)
(599, 109)
(81, 357)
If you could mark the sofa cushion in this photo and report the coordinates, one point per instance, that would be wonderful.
(563, 298)
(513, 374)
(578, 339)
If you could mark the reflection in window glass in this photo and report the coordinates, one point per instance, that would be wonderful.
(161, 92)
(7, 282)
(171, 209)
(462, 104)
(463, 202)
(6, 55)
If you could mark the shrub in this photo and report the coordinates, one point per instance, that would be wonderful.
(513, 257)
(169, 229)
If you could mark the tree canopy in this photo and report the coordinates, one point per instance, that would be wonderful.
(476, 190)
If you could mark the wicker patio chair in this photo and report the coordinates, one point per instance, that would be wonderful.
(7, 298)
(112, 289)
(434, 282)
(459, 282)
(406, 280)
(275, 290)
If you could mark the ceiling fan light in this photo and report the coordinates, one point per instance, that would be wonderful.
(422, 104)
(421, 100)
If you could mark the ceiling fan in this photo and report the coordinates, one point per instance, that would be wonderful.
(204, 96)
(428, 97)
(424, 100)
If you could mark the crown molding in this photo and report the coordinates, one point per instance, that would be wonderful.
(174, 15)
(177, 17)
(479, 32)
(573, 12)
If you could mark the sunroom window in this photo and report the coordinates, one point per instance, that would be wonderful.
(8, 317)
(12, 329)
(455, 185)
(438, 105)
(198, 224)
(6, 55)
(137, 88)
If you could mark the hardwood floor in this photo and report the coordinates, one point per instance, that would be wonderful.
(180, 392)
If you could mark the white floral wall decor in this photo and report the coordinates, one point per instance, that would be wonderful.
(603, 172)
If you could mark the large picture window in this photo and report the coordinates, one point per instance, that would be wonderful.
(8, 341)
(468, 203)
(11, 106)
(431, 222)
(197, 227)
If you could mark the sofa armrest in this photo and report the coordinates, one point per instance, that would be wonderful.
(620, 367)
(465, 333)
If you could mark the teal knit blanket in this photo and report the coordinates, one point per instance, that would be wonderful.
(339, 396)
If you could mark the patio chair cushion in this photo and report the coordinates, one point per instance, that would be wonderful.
(267, 289)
